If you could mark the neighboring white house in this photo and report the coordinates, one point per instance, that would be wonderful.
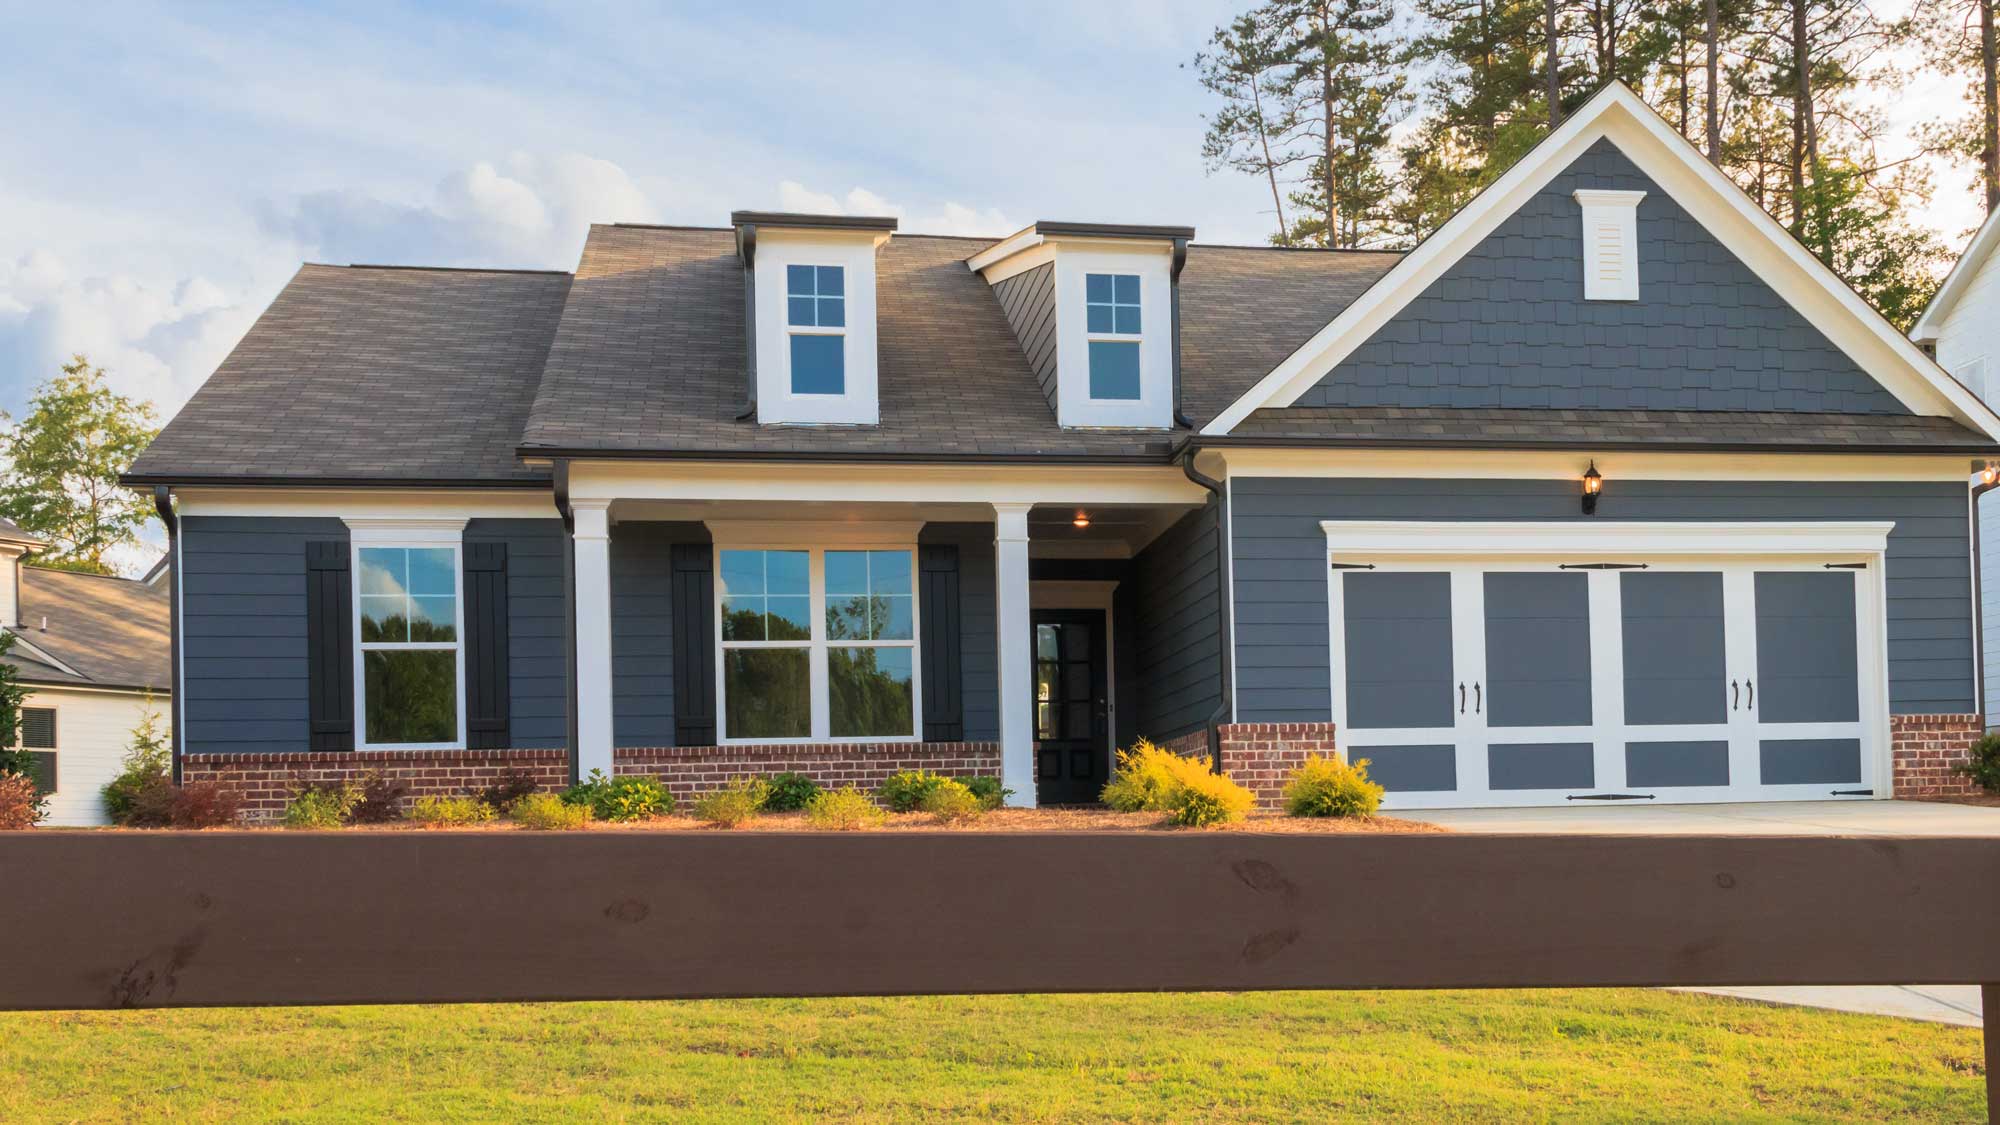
(1961, 330)
(93, 652)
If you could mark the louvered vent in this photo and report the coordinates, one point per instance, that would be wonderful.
(1610, 244)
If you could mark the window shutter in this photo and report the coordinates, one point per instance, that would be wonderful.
(940, 650)
(486, 698)
(329, 648)
(38, 728)
(693, 583)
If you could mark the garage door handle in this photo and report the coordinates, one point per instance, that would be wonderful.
(1461, 699)
(1733, 694)
(1475, 697)
(1750, 702)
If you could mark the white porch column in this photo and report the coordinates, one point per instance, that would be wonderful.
(1017, 657)
(593, 635)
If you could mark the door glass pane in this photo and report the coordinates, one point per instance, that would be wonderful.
(767, 692)
(1674, 651)
(869, 692)
(1398, 650)
(412, 695)
(1806, 657)
(1537, 651)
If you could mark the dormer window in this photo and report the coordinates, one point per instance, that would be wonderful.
(1111, 321)
(816, 317)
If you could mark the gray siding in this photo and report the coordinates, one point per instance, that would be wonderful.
(1168, 606)
(537, 692)
(642, 630)
(243, 631)
(979, 639)
(1282, 672)
(1029, 300)
(1989, 592)
(1507, 325)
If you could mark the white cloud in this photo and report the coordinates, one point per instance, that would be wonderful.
(947, 218)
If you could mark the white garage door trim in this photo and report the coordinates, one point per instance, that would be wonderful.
(1737, 551)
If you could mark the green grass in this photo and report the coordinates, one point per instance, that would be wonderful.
(1616, 1055)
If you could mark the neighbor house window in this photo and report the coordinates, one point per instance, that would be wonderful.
(408, 629)
(817, 643)
(816, 316)
(38, 738)
(1111, 324)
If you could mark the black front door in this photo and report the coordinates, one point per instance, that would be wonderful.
(1072, 720)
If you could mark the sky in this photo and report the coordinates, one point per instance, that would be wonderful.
(164, 169)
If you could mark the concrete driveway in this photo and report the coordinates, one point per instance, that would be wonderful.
(1769, 818)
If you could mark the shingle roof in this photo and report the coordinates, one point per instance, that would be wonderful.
(1501, 428)
(373, 373)
(111, 630)
(10, 532)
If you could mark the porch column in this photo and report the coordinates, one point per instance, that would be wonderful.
(593, 635)
(1017, 658)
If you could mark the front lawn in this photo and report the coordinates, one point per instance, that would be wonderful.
(1613, 1055)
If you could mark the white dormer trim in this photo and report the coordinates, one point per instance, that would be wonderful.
(1610, 243)
(1687, 178)
(859, 403)
(1075, 406)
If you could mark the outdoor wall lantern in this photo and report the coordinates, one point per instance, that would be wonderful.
(1082, 520)
(1593, 483)
(1989, 472)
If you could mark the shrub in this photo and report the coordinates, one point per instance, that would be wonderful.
(905, 790)
(1206, 798)
(148, 760)
(381, 800)
(1331, 787)
(512, 784)
(952, 801)
(733, 804)
(324, 804)
(152, 803)
(21, 804)
(1984, 765)
(203, 804)
(843, 810)
(620, 798)
(446, 812)
(790, 792)
(990, 792)
(1148, 777)
(548, 812)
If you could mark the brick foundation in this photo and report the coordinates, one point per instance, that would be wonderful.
(690, 770)
(1259, 756)
(1926, 747)
(267, 780)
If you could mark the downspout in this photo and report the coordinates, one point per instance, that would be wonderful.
(1989, 480)
(560, 478)
(163, 504)
(1214, 722)
(1174, 293)
(746, 250)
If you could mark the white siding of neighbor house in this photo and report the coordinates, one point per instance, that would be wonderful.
(93, 731)
(1968, 346)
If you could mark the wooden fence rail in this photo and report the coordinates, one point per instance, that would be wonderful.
(98, 920)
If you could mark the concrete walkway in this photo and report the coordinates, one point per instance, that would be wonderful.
(1768, 818)
(1934, 1003)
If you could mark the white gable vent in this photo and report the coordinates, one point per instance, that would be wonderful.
(1610, 244)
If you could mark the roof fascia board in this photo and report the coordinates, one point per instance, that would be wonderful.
(1005, 248)
(1930, 325)
(1697, 186)
(1028, 257)
(37, 652)
(1570, 464)
(1106, 486)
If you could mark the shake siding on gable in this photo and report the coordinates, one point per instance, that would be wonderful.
(1507, 325)
(1029, 300)
(1282, 658)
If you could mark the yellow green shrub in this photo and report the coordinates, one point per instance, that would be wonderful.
(1331, 787)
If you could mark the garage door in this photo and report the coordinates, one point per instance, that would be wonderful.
(1468, 682)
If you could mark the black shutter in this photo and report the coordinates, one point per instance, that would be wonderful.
(939, 647)
(329, 648)
(486, 646)
(693, 583)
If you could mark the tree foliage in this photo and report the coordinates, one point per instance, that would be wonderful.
(64, 460)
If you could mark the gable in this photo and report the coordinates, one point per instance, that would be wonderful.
(1507, 325)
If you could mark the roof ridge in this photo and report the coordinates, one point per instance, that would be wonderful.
(1297, 249)
(79, 573)
(439, 269)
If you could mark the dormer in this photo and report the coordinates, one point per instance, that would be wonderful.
(1095, 308)
(809, 292)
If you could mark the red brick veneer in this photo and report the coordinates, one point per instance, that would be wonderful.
(1259, 756)
(1926, 747)
(267, 780)
(690, 770)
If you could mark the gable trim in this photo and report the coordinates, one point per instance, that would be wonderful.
(1931, 324)
(1710, 198)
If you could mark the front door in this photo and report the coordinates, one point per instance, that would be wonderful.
(1072, 721)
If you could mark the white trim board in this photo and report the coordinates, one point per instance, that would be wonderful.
(1680, 171)
(1617, 465)
(1442, 538)
(1931, 324)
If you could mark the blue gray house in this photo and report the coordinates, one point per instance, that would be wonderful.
(1606, 491)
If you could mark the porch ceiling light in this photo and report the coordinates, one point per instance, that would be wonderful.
(1082, 520)
(1989, 472)
(1593, 483)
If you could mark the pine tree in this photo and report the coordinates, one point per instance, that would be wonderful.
(1254, 131)
(1344, 89)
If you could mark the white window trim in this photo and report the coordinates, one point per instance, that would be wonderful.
(418, 534)
(792, 330)
(816, 540)
(1138, 338)
(1617, 212)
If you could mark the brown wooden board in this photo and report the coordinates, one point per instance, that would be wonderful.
(95, 920)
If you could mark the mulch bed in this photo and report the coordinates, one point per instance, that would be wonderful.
(1001, 820)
